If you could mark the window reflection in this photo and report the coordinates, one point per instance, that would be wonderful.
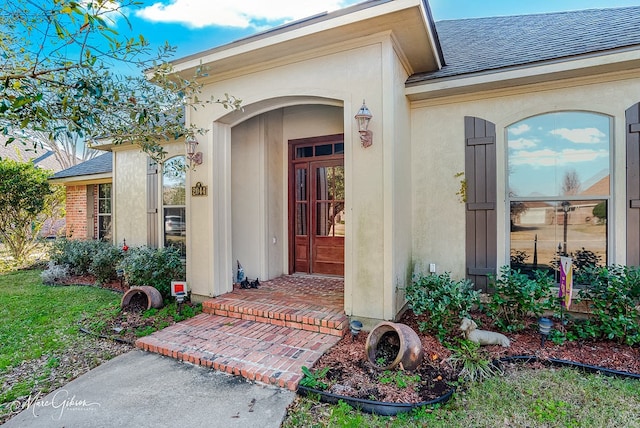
(330, 201)
(558, 189)
(104, 211)
(173, 200)
(541, 231)
(559, 154)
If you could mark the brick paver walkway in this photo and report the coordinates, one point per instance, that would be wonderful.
(265, 334)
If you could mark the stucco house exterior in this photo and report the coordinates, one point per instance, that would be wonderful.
(473, 123)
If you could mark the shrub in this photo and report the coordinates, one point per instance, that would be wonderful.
(443, 300)
(76, 254)
(516, 297)
(155, 267)
(104, 262)
(54, 274)
(614, 295)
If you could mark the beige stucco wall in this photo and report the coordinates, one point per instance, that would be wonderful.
(438, 153)
(312, 96)
(398, 148)
(129, 196)
(130, 192)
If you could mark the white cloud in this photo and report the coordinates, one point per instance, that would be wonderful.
(548, 157)
(520, 129)
(580, 135)
(544, 157)
(235, 13)
(521, 143)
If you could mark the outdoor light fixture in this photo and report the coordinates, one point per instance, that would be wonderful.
(544, 327)
(195, 158)
(120, 275)
(355, 326)
(364, 117)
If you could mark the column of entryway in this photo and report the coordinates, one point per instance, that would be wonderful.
(220, 237)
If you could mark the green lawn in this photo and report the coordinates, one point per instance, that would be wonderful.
(42, 347)
(522, 398)
(38, 320)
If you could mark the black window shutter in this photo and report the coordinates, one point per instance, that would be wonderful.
(633, 185)
(152, 203)
(481, 219)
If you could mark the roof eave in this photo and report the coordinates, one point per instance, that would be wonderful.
(75, 180)
(423, 51)
(584, 65)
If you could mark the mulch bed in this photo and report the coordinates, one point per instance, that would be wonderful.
(115, 284)
(352, 375)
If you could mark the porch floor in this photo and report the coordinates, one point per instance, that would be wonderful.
(265, 334)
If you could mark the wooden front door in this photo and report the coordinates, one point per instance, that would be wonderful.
(317, 205)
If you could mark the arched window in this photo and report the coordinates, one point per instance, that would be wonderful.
(173, 203)
(558, 189)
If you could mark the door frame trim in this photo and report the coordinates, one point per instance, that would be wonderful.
(292, 145)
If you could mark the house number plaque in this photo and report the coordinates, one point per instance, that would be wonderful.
(199, 190)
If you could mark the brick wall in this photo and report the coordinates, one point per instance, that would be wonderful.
(77, 212)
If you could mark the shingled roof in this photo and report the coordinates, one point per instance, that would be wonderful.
(99, 165)
(20, 152)
(490, 44)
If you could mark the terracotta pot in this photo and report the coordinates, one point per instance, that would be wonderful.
(410, 351)
(150, 294)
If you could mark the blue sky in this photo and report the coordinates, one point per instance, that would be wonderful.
(542, 149)
(197, 25)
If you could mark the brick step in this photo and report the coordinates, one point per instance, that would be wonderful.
(259, 351)
(302, 316)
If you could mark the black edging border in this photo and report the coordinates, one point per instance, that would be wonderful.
(567, 363)
(383, 408)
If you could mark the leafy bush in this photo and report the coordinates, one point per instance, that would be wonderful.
(104, 262)
(516, 297)
(155, 267)
(25, 194)
(54, 274)
(76, 254)
(614, 299)
(443, 300)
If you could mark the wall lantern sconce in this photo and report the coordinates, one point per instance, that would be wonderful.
(364, 117)
(195, 158)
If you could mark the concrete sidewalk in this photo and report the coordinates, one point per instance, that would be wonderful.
(148, 390)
